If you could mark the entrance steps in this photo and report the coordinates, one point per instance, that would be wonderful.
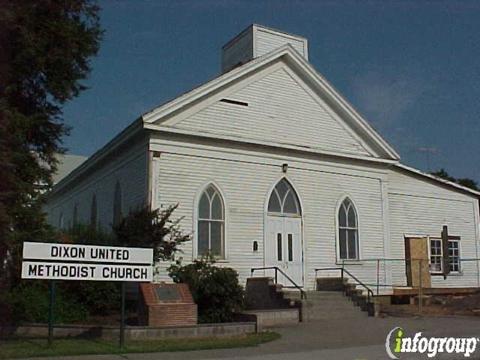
(263, 294)
(334, 299)
(327, 305)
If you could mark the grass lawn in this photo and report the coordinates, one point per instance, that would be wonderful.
(38, 347)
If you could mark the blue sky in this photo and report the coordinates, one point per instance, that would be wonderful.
(411, 68)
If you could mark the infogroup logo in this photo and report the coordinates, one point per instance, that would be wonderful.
(397, 344)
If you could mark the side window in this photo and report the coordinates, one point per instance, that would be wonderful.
(347, 231)
(279, 247)
(93, 212)
(454, 255)
(75, 215)
(61, 221)
(436, 255)
(117, 204)
(211, 223)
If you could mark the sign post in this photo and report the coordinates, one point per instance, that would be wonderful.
(52, 261)
(51, 311)
(122, 318)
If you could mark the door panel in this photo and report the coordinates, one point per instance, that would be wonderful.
(417, 260)
(284, 248)
(293, 249)
(274, 232)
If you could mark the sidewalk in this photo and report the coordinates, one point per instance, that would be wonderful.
(342, 339)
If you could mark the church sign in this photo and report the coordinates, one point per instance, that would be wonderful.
(52, 261)
(86, 262)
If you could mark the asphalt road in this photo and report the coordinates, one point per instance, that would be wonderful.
(340, 340)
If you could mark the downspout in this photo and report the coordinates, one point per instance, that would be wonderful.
(476, 212)
(384, 185)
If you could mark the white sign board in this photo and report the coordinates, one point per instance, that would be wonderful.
(81, 262)
(76, 271)
(90, 253)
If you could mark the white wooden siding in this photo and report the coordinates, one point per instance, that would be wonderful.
(129, 168)
(281, 108)
(256, 41)
(421, 207)
(245, 180)
(239, 51)
(267, 41)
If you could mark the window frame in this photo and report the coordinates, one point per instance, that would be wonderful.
(347, 228)
(439, 239)
(198, 219)
(451, 239)
(456, 239)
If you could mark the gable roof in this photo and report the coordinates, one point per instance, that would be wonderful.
(165, 111)
(359, 125)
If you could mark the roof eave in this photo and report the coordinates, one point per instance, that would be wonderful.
(319, 152)
(99, 155)
(438, 179)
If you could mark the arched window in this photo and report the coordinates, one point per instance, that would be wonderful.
(347, 230)
(117, 204)
(60, 221)
(75, 215)
(93, 212)
(211, 223)
(284, 200)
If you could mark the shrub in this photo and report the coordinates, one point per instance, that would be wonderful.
(215, 290)
(29, 302)
(98, 297)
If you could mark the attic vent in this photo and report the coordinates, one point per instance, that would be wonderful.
(234, 102)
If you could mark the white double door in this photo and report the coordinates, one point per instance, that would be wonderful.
(284, 248)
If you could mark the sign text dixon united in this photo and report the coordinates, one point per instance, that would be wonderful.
(91, 253)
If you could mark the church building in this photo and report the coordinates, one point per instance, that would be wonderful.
(272, 167)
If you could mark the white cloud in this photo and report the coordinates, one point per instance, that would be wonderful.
(385, 98)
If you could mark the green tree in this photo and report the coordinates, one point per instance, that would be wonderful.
(152, 228)
(444, 175)
(472, 184)
(45, 50)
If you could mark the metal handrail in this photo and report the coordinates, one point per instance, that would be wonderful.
(303, 294)
(342, 271)
(392, 261)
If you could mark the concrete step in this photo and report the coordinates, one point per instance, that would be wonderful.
(311, 294)
(331, 307)
(329, 316)
(330, 283)
(328, 305)
(334, 313)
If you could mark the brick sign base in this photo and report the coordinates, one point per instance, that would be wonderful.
(166, 305)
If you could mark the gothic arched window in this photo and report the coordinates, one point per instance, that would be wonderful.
(347, 230)
(283, 199)
(211, 223)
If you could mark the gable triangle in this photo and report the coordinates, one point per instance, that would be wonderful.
(279, 108)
